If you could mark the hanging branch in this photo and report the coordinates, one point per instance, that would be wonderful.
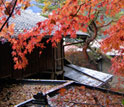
(5, 6)
(78, 9)
(107, 24)
(9, 16)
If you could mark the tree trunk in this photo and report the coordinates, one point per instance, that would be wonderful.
(86, 45)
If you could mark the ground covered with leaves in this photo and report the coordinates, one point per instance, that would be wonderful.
(14, 94)
(79, 96)
(70, 96)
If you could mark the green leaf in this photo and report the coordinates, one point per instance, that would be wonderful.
(123, 101)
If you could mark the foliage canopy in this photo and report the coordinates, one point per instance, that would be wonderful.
(93, 16)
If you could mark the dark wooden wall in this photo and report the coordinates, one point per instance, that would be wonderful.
(44, 63)
(5, 60)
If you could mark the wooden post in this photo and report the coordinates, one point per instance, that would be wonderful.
(62, 56)
(54, 63)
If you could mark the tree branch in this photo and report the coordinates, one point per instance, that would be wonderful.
(78, 9)
(89, 40)
(106, 24)
(9, 16)
(95, 33)
(5, 7)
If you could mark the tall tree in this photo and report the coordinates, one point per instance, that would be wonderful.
(87, 15)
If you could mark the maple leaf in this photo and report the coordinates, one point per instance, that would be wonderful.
(15, 59)
(11, 29)
(62, 91)
(40, 52)
(14, 53)
(84, 29)
(82, 87)
(92, 16)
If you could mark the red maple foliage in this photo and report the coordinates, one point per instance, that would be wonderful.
(91, 16)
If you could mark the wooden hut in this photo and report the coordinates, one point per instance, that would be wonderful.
(50, 61)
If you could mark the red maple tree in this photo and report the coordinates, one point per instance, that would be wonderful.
(92, 16)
